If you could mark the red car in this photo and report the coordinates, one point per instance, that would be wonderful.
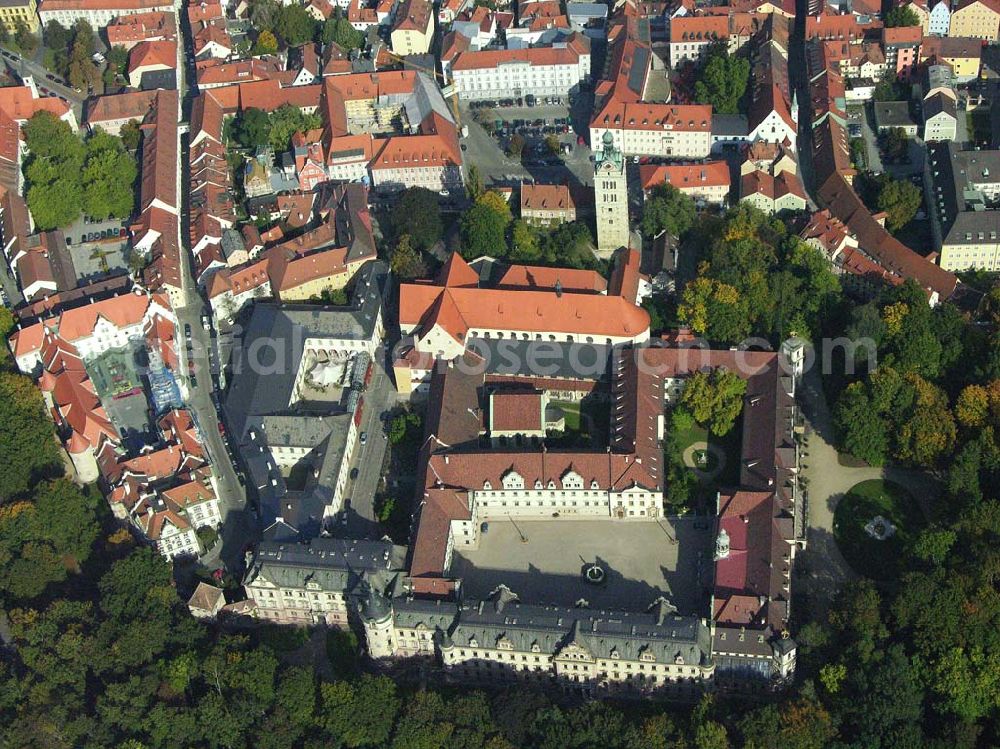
(579, 140)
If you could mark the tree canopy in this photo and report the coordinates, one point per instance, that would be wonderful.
(64, 176)
(722, 80)
(418, 214)
(715, 399)
(667, 209)
(901, 15)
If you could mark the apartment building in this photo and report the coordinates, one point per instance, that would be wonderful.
(680, 131)
(546, 204)
(98, 13)
(17, 13)
(707, 182)
(976, 19)
(555, 70)
(413, 30)
(691, 37)
(963, 188)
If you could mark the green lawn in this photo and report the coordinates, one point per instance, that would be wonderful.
(879, 560)
(571, 414)
(687, 437)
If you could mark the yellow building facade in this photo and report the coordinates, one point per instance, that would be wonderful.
(15, 12)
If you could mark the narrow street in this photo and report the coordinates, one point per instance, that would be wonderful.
(239, 520)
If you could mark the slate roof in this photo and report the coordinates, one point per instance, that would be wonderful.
(671, 639)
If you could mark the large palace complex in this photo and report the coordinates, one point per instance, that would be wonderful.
(470, 595)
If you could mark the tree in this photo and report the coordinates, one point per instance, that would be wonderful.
(552, 143)
(972, 406)
(117, 68)
(859, 154)
(516, 145)
(42, 539)
(484, 226)
(474, 183)
(266, 44)
(895, 144)
(889, 88)
(496, 202)
(56, 36)
(287, 120)
(483, 232)
(28, 449)
(361, 713)
(929, 432)
(294, 25)
(524, 247)
(338, 30)
(252, 128)
(667, 209)
(899, 199)
(715, 399)
(109, 176)
(52, 171)
(418, 214)
(864, 433)
(25, 40)
(901, 15)
(406, 262)
(82, 71)
(130, 134)
(722, 80)
(714, 309)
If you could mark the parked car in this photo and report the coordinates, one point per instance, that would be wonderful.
(364, 438)
(354, 474)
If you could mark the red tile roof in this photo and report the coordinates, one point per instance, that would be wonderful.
(154, 53)
(569, 280)
(516, 411)
(546, 198)
(685, 176)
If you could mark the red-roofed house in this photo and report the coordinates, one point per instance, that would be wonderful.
(546, 204)
(413, 29)
(72, 400)
(148, 57)
(708, 182)
(128, 31)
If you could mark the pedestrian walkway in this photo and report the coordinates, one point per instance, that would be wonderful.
(825, 568)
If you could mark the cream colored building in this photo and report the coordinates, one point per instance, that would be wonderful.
(291, 583)
(581, 652)
(978, 19)
(610, 197)
(546, 204)
(413, 31)
(15, 12)
(687, 134)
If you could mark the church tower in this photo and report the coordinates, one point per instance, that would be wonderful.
(610, 197)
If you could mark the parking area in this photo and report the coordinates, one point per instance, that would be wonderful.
(492, 126)
(543, 562)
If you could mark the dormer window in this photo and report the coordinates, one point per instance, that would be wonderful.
(487, 486)
(512, 480)
(614, 654)
(473, 642)
(535, 648)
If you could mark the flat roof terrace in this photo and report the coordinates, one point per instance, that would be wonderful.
(643, 560)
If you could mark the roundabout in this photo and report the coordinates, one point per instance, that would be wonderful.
(874, 525)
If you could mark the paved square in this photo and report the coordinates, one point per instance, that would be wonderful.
(642, 561)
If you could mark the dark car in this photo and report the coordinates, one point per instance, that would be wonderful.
(354, 474)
